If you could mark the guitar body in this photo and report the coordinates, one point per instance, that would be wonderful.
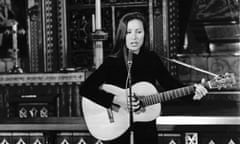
(97, 117)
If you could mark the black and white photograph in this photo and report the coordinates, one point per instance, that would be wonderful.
(119, 72)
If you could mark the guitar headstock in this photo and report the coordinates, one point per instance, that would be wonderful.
(222, 81)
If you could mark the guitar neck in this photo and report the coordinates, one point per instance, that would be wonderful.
(167, 95)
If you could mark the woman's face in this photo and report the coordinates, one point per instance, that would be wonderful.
(134, 35)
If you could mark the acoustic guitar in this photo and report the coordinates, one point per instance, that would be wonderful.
(108, 124)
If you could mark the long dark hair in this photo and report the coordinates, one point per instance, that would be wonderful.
(120, 49)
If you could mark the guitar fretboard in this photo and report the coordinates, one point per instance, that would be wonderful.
(167, 95)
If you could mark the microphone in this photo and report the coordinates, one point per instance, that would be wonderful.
(130, 57)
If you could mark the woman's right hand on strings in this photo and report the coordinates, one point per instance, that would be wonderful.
(136, 105)
(124, 102)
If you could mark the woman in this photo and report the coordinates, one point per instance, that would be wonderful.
(131, 38)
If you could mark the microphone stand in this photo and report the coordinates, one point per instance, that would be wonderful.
(130, 98)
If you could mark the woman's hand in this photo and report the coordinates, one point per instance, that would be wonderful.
(136, 104)
(200, 90)
(124, 102)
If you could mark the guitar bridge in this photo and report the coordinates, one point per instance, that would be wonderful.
(115, 108)
(110, 115)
